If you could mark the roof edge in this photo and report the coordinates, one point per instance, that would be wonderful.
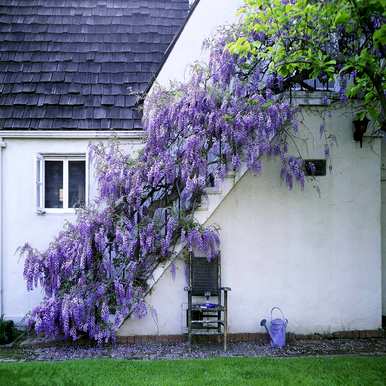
(169, 50)
(73, 134)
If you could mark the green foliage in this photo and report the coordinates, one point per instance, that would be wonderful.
(8, 331)
(328, 371)
(325, 39)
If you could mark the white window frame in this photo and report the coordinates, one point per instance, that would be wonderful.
(41, 158)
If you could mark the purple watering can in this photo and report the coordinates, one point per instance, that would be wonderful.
(276, 329)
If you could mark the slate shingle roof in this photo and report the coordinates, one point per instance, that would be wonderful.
(80, 64)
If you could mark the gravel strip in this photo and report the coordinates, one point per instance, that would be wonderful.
(374, 346)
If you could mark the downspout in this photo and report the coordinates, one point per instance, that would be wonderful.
(2, 146)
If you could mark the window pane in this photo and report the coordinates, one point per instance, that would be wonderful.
(53, 182)
(76, 183)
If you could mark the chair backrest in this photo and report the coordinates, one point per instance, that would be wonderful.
(204, 276)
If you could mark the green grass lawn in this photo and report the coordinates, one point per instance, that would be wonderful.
(329, 371)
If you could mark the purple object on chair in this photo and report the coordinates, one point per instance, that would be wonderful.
(277, 329)
(208, 305)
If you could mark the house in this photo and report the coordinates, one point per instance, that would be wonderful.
(71, 72)
(317, 257)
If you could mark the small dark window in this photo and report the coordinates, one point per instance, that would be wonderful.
(64, 183)
(315, 167)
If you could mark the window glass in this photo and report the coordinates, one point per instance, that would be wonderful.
(76, 183)
(53, 182)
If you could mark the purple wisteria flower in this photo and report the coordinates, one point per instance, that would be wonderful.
(94, 274)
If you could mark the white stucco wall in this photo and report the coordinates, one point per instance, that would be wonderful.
(21, 222)
(203, 23)
(383, 221)
(316, 257)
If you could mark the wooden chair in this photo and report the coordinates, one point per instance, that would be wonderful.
(207, 312)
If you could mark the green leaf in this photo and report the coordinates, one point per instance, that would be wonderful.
(379, 36)
(342, 17)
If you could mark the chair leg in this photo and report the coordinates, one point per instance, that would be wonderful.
(219, 327)
(190, 329)
(225, 330)
(225, 320)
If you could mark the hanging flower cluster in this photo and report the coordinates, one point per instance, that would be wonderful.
(94, 273)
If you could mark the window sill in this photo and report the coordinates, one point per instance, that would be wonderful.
(43, 212)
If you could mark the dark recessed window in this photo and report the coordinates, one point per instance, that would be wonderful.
(315, 167)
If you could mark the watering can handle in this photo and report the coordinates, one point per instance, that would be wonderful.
(277, 308)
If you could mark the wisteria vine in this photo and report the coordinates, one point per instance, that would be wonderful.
(94, 273)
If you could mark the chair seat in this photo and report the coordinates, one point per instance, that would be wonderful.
(205, 307)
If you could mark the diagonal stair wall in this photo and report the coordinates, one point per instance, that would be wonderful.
(212, 199)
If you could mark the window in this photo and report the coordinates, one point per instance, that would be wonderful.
(315, 167)
(61, 182)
